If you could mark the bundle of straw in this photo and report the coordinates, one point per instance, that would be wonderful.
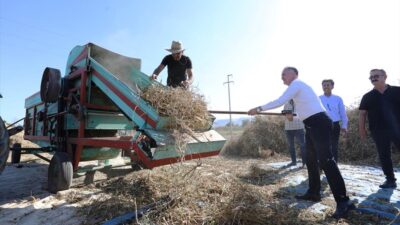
(185, 107)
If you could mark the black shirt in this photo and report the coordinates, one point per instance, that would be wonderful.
(383, 109)
(176, 69)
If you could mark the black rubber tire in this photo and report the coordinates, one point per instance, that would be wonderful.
(51, 85)
(4, 148)
(60, 172)
(16, 153)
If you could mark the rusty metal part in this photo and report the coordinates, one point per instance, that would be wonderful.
(15, 122)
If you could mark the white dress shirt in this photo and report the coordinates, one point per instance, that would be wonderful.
(335, 108)
(296, 123)
(306, 100)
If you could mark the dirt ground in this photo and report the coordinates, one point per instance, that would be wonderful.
(25, 200)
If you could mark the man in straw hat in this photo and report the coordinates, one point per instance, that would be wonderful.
(318, 149)
(179, 67)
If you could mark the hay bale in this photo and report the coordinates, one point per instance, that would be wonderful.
(352, 148)
(186, 107)
(261, 136)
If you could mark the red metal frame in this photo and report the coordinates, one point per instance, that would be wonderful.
(81, 129)
(160, 162)
(37, 138)
(81, 141)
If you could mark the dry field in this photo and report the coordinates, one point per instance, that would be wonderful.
(216, 190)
(242, 186)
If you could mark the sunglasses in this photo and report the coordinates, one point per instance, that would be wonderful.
(374, 77)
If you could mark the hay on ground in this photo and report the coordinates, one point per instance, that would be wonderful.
(261, 138)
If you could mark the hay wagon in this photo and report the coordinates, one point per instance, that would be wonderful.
(95, 112)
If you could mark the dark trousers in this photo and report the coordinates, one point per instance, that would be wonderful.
(291, 135)
(335, 139)
(319, 155)
(383, 139)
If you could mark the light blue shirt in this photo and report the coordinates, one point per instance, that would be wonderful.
(335, 109)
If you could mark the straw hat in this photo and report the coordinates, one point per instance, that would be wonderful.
(176, 47)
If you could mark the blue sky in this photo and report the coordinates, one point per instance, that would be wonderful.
(253, 40)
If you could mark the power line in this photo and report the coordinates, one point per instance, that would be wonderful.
(229, 98)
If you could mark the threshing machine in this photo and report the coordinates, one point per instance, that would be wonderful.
(80, 116)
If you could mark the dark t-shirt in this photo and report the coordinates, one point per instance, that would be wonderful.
(176, 69)
(383, 109)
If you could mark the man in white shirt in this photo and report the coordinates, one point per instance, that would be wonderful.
(318, 129)
(336, 111)
(294, 129)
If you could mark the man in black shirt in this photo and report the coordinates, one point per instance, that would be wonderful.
(382, 106)
(179, 67)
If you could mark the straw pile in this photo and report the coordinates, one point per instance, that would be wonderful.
(220, 191)
(19, 138)
(263, 134)
(352, 149)
(201, 195)
(186, 108)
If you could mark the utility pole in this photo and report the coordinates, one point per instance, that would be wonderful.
(229, 97)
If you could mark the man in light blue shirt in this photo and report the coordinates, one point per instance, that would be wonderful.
(336, 111)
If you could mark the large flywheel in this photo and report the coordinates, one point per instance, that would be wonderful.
(51, 85)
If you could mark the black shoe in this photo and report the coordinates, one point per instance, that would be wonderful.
(389, 184)
(309, 197)
(291, 164)
(342, 209)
